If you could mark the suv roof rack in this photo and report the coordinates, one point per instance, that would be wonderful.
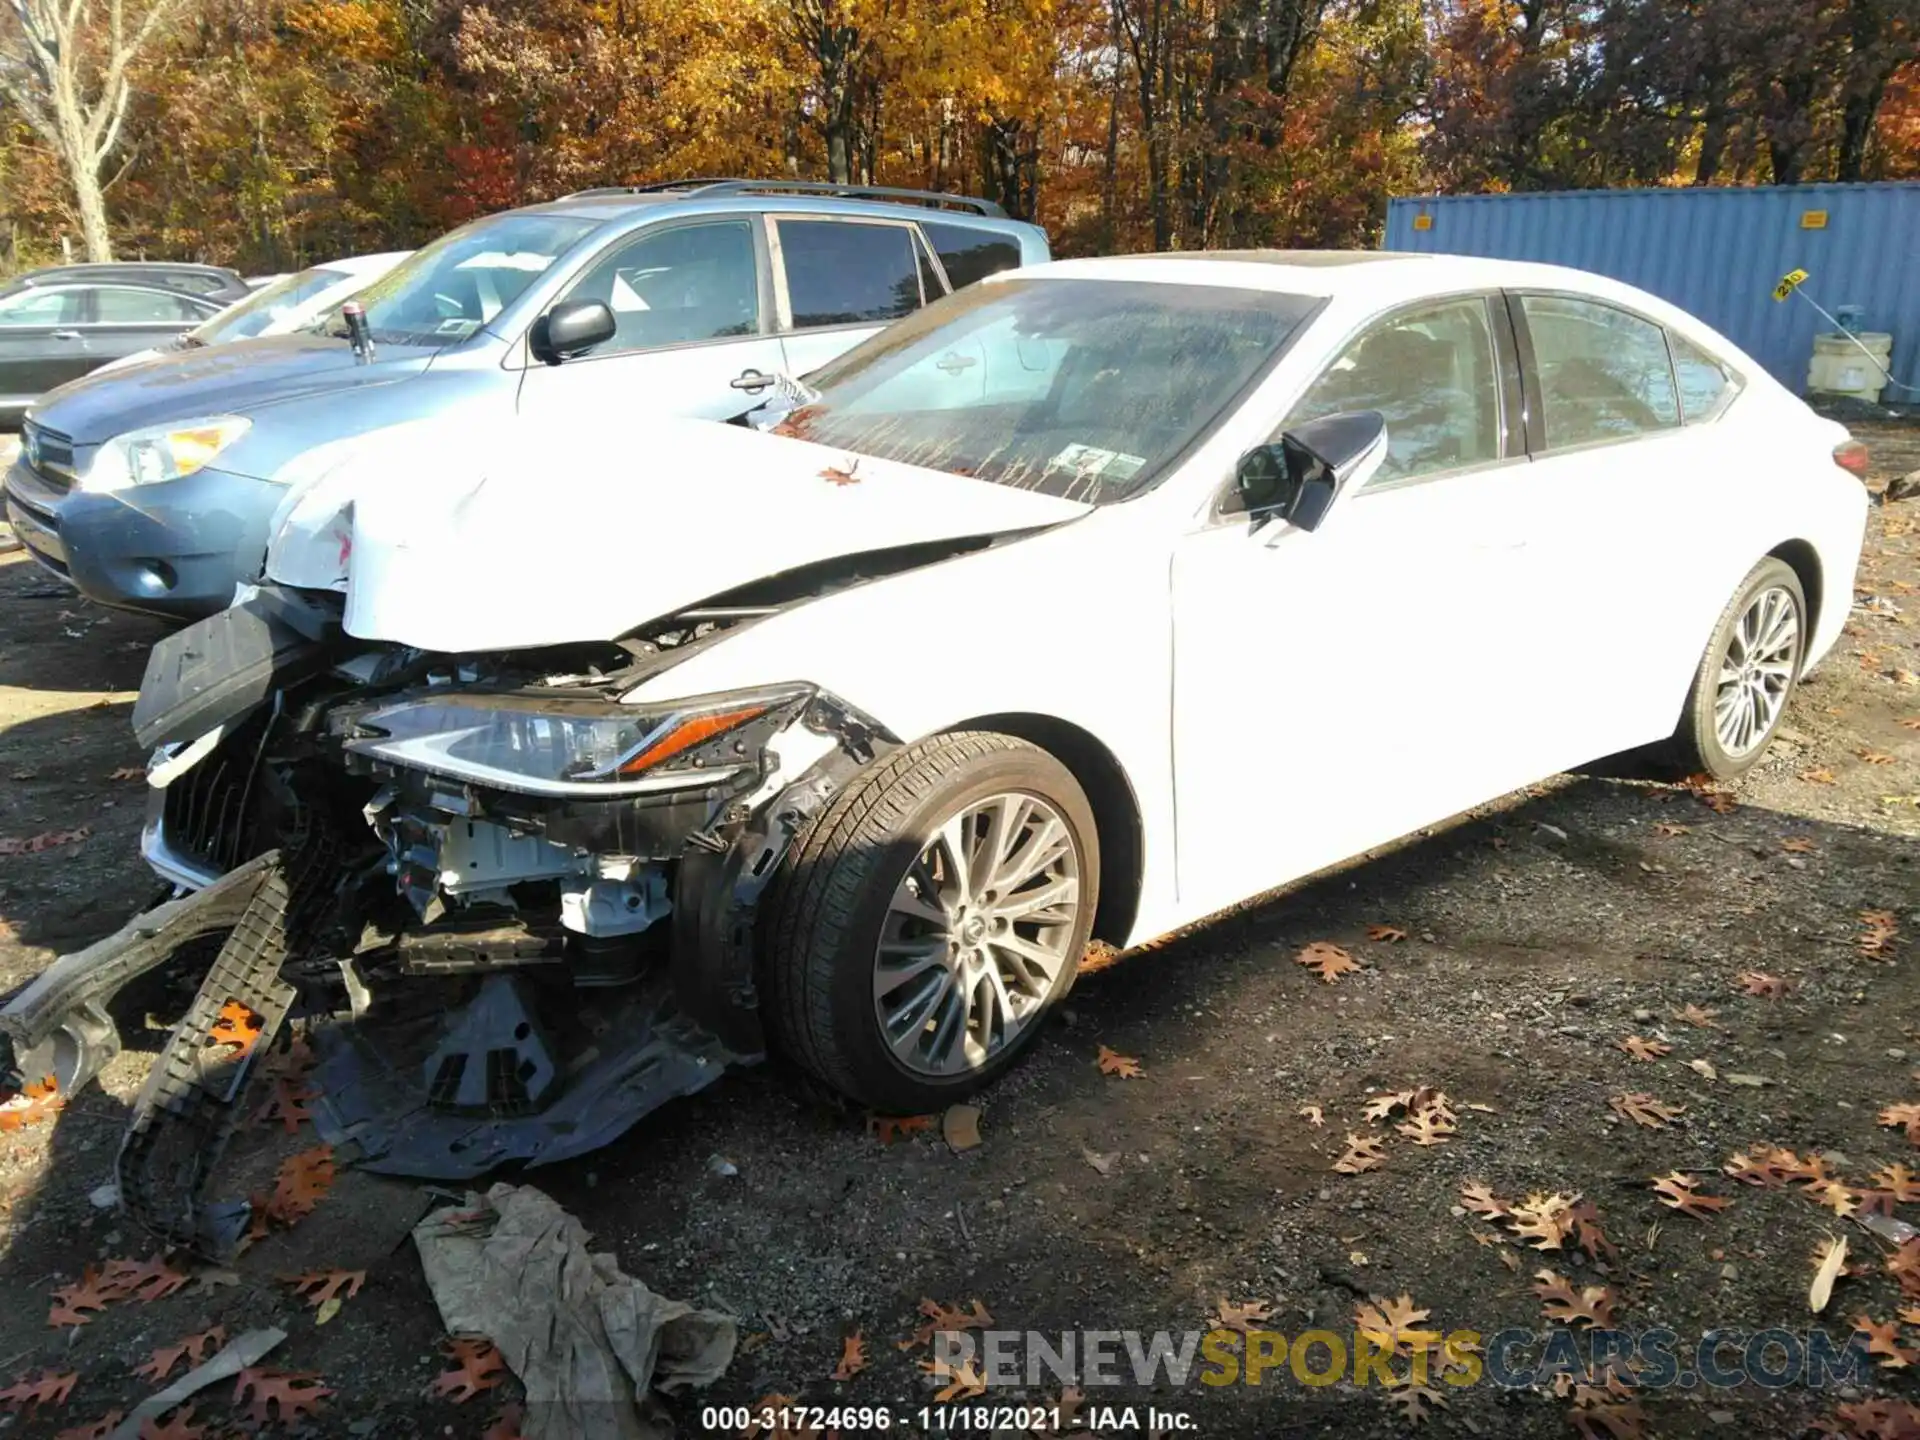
(728, 185)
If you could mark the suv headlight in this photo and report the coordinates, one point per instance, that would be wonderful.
(162, 452)
(576, 749)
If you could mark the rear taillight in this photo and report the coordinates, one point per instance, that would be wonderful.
(1852, 457)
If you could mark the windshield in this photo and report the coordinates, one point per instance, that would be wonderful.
(1084, 389)
(270, 303)
(453, 287)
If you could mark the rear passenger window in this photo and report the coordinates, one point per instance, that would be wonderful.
(1705, 385)
(1604, 374)
(843, 273)
(968, 254)
(143, 307)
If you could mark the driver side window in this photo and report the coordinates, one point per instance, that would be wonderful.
(676, 287)
(1431, 372)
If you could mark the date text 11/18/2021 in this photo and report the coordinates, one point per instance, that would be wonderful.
(795, 1418)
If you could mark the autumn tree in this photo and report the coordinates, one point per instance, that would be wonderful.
(67, 69)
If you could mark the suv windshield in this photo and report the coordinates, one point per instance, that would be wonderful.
(266, 305)
(1085, 389)
(445, 292)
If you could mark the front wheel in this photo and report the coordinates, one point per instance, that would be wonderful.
(923, 927)
(1747, 675)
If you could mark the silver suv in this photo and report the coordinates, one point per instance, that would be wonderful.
(151, 488)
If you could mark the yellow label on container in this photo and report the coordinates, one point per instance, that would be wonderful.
(1813, 219)
(1423, 222)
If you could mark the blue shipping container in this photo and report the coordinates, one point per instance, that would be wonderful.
(1717, 253)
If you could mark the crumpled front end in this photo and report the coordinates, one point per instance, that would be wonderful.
(511, 911)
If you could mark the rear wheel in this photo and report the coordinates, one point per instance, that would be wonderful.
(926, 923)
(1747, 675)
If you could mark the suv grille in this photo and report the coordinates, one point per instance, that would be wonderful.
(49, 454)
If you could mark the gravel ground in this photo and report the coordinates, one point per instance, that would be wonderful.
(1539, 934)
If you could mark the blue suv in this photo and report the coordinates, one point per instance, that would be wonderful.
(151, 488)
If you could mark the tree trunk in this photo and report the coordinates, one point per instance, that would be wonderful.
(1856, 131)
(88, 198)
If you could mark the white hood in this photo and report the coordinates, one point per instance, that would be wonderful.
(496, 539)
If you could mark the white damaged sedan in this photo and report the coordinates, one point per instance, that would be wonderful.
(1082, 604)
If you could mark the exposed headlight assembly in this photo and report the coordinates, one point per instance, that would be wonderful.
(574, 749)
(162, 452)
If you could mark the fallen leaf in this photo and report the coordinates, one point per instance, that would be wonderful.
(47, 1388)
(1905, 1116)
(1386, 934)
(1828, 1262)
(1762, 985)
(1669, 829)
(960, 1126)
(1764, 1169)
(1363, 1153)
(46, 840)
(37, 1101)
(1818, 776)
(962, 1384)
(1103, 1163)
(1413, 1399)
(508, 1424)
(1644, 1049)
(1596, 1415)
(478, 1366)
(1703, 1019)
(193, 1349)
(1312, 1115)
(1381, 1107)
(853, 1357)
(1393, 1325)
(301, 1184)
(286, 1104)
(320, 1286)
(1643, 1109)
(1703, 1068)
(1543, 1221)
(1427, 1127)
(1244, 1317)
(1681, 1192)
(295, 1393)
(1899, 1182)
(889, 1128)
(941, 1318)
(1592, 1306)
(1875, 757)
(1904, 1266)
(1478, 1198)
(1883, 1340)
(1588, 1234)
(79, 1302)
(237, 1026)
(1797, 845)
(848, 474)
(1329, 962)
(1112, 1062)
(99, 1430)
(1099, 956)
(177, 1426)
(129, 772)
(1835, 1196)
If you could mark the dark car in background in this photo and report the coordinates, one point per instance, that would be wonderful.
(56, 329)
(209, 282)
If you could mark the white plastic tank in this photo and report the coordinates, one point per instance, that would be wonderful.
(1852, 365)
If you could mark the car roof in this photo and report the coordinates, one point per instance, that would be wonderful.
(357, 264)
(100, 269)
(605, 206)
(1384, 277)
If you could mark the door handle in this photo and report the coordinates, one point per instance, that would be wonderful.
(67, 335)
(751, 380)
(955, 364)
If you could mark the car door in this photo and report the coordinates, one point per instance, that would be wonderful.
(693, 329)
(838, 279)
(41, 342)
(124, 319)
(1339, 688)
(1626, 491)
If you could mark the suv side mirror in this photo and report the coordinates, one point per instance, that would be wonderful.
(571, 328)
(1298, 478)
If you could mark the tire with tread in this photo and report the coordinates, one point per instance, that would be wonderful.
(1695, 747)
(822, 923)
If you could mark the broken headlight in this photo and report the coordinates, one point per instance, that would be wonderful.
(573, 749)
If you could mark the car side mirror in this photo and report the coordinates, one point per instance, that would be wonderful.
(1298, 477)
(571, 328)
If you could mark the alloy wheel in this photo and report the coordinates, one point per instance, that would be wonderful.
(977, 934)
(1757, 671)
